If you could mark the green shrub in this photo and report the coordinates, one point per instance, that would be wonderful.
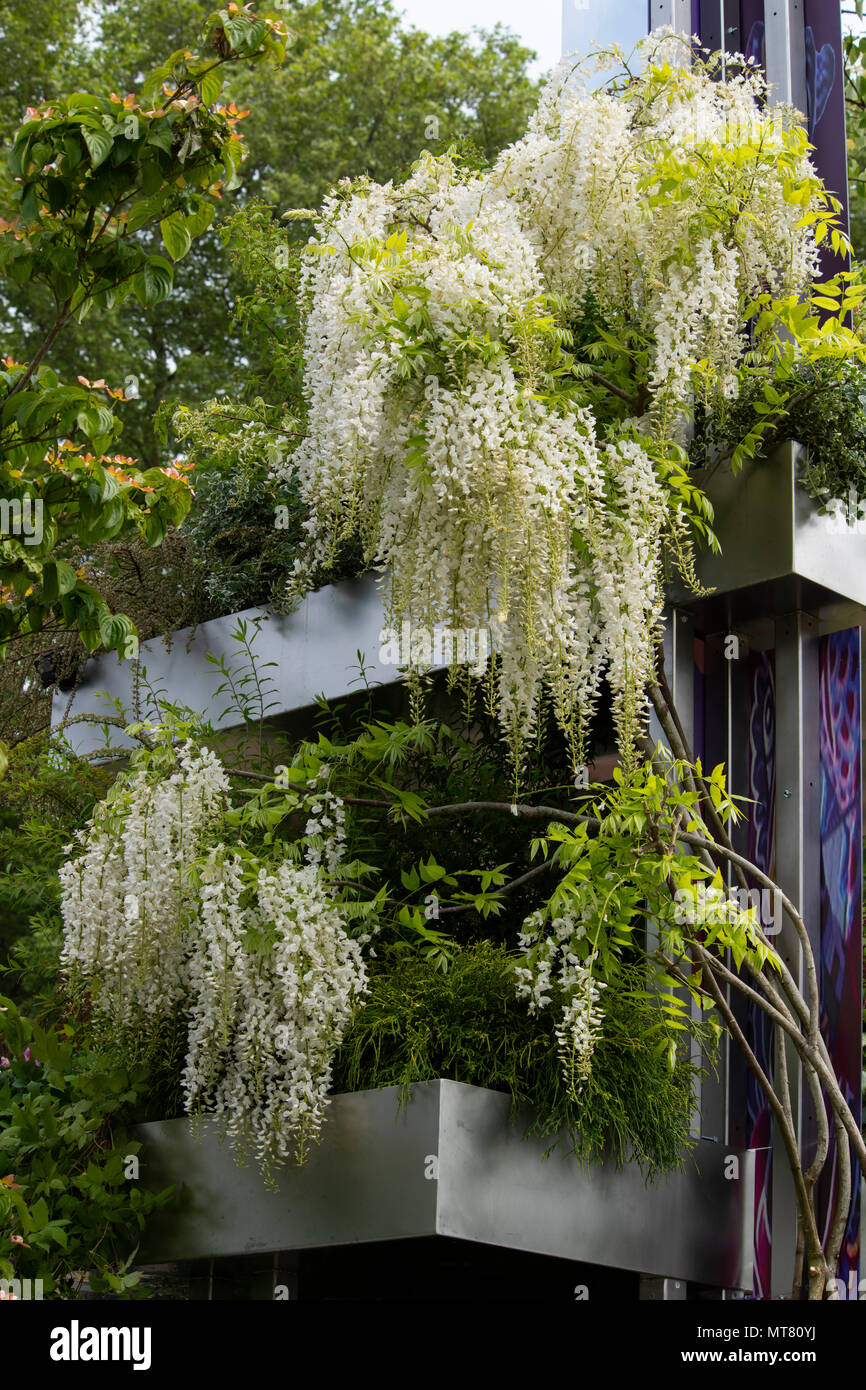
(467, 1025)
(826, 414)
(71, 1204)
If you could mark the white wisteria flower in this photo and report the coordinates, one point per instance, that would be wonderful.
(483, 466)
(274, 984)
(550, 960)
(164, 927)
(128, 899)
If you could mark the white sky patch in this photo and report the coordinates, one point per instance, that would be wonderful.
(537, 25)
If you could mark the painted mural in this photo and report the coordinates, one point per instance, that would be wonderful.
(841, 904)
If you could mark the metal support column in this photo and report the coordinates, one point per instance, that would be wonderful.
(785, 37)
(676, 13)
(679, 649)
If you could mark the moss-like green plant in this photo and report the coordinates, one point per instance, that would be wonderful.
(468, 1025)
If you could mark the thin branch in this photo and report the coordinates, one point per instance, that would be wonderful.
(505, 887)
(778, 1109)
(843, 1201)
(667, 715)
(633, 401)
(799, 925)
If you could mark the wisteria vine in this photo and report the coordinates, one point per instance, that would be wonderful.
(164, 925)
(501, 367)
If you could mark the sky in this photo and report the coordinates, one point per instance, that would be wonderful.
(538, 23)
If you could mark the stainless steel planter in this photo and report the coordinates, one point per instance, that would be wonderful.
(310, 652)
(450, 1164)
(775, 544)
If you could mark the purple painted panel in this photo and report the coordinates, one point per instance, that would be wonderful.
(824, 92)
(825, 102)
(824, 85)
(752, 30)
(841, 904)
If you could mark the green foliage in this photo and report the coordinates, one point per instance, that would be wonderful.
(244, 533)
(826, 412)
(90, 172)
(627, 858)
(855, 117)
(42, 53)
(467, 1025)
(45, 797)
(69, 1207)
(358, 92)
(326, 113)
(241, 558)
(452, 756)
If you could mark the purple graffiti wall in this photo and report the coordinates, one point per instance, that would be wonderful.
(841, 905)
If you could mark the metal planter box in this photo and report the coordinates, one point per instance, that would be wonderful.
(773, 537)
(451, 1164)
(309, 652)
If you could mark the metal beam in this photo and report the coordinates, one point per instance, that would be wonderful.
(785, 36)
(676, 13)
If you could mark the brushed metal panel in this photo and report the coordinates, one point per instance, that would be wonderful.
(772, 535)
(786, 52)
(676, 13)
(313, 651)
(798, 871)
(496, 1187)
(365, 1181)
(371, 1178)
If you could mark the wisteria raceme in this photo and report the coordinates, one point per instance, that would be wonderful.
(163, 925)
(128, 901)
(479, 530)
(626, 193)
(551, 961)
(445, 427)
(579, 1029)
(275, 984)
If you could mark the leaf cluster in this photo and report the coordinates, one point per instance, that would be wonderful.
(418, 1024)
(68, 1210)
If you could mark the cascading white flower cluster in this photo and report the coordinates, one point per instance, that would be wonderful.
(551, 959)
(164, 926)
(443, 427)
(640, 196)
(479, 529)
(273, 986)
(128, 900)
